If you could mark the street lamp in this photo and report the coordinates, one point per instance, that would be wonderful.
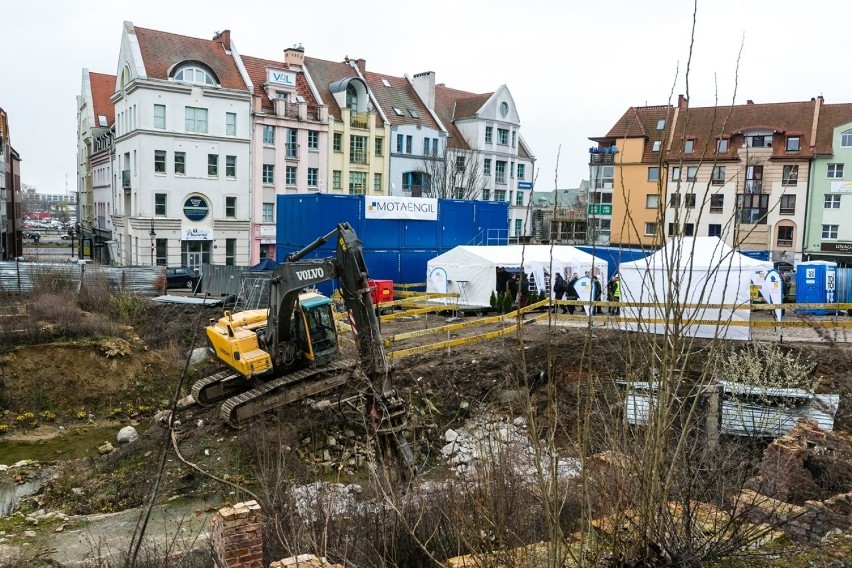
(153, 234)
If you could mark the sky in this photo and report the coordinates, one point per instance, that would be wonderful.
(572, 67)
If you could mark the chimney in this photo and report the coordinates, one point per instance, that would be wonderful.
(224, 38)
(818, 102)
(362, 64)
(424, 86)
(682, 102)
(749, 102)
(294, 56)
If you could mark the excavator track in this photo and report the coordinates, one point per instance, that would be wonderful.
(244, 407)
(218, 386)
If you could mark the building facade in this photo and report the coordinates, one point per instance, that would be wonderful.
(182, 151)
(11, 241)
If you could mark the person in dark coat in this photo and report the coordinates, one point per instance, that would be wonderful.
(523, 291)
(571, 293)
(596, 294)
(512, 287)
(559, 289)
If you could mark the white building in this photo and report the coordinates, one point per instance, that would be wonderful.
(182, 151)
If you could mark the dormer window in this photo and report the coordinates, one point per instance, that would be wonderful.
(194, 74)
(688, 146)
(793, 143)
(721, 145)
(661, 124)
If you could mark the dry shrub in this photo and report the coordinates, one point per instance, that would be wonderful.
(51, 278)
(96, 295)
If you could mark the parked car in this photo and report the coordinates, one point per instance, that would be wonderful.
(181, 277)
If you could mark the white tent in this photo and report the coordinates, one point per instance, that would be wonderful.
(471, 271)
(691, 270)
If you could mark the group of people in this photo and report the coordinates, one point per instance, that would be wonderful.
(519, 288)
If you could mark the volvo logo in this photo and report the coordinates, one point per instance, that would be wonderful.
(310, 274)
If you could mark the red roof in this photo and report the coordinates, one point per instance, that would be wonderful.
(161, 51)
(102, 86)
(451, 105)
(399, 94)
(256, 69)
(323, 74)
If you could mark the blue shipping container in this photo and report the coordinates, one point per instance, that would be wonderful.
(394, 249)
(816, 283)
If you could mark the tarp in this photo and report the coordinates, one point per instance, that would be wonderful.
(265, 264)
(691, 270)
(471, 271)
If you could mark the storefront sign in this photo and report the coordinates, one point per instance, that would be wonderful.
(836, 247)
(267, 234)
(197, 234)
(286, 78)
(416, 208)
(196, 208)
(841, 187)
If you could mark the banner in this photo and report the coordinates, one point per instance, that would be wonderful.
(583, 286)
(772, 290)
(414, 208)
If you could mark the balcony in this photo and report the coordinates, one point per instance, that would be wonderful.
(358, 120)
(313, 113)
(291, 110)
(596, 159)
(125, 179)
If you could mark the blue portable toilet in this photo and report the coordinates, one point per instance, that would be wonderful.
(816, 283)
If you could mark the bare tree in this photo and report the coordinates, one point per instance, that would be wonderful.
(457, 174)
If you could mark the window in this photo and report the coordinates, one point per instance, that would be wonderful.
(654, 173)
(397, 111)
(675, 173)
(718, 175)
(787, 205)
(522, 171)
(691, 173)
(688, 229)
(514, 135)
(503, 136)
(337, 142)
(335, 179)
(268, 135)
(180, 163)
(674, 200)
(292, 146)
(162, 246)
(230, 124)
(358, 149)
(752, 208)
(717, 202)
(690, 200)
(829, 231)
(846, 139)
(688, 146)
(159, 161)
(268, 173)
(489, 134)
(721, 145)
(790, 176)
(499, 195)
(759, 141)
(380, 143)
(785, 236)
(160, 204)
(313, 177)
(650, 229)
(458, 193)
(486, 194)
(435, 148)
(500, 172)
(412, 183)
(400, 141)
(160, 116)
(426, 142)
(230, 252)
(460, 162)
(835, 171)
(194, 74)
(831, 201)
(652, 201)
(290, 175)
(486, 169)
(714, 230)
(793, 143)
(518, 227)
(656, 146)
(213, 165)
(357, 183)
(195, 120)
(409, 144)
(230, 206)
(519, 198)
(661, 124)
(413, 113)
(268, 212)
(313, 139)
(377, 183)
(231, 167)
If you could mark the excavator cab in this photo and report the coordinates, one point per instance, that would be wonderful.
(316, 328)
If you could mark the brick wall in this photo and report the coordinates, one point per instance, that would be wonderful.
(236, 535)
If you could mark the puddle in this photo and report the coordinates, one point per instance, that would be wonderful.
(69, 444)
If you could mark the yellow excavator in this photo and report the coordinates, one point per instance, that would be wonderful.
(290, 351)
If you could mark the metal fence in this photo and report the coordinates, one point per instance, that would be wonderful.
(24, 276)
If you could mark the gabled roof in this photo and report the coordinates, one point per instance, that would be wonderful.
(401, 95)
(256, 69)
(446, 100)
(323, 74)
(641, 122)
(705, 125)
(468, 107)
(830, 117)
(161, 51)
(102, 86)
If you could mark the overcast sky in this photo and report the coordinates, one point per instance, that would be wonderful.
(573, 67)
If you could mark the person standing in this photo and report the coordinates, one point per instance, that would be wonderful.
(571, 294)
(559, 289)
(523, 291)
(615, 295)
(512, 287)
(596, 294)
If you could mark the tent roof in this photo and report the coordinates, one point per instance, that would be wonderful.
(511, 255)
(697, 253)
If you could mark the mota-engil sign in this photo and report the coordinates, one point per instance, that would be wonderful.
(416, 208)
